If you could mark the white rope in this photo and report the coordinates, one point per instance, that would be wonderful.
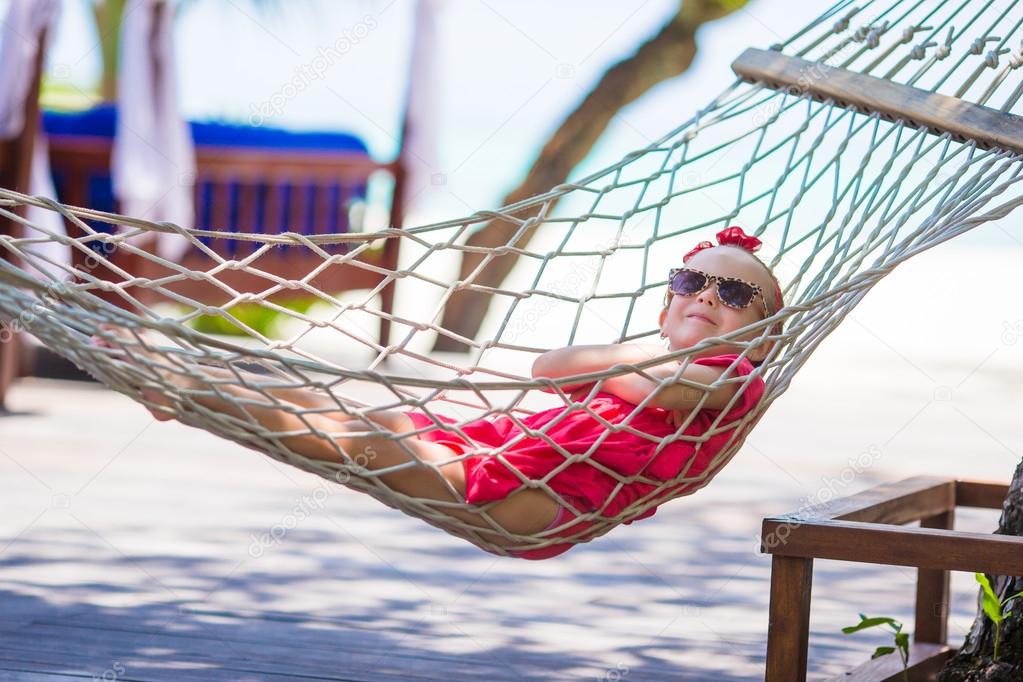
(839, 199)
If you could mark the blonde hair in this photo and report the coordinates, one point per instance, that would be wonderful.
(772, 305)
(776, 303)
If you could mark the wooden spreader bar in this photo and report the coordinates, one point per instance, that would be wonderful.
(918, 108)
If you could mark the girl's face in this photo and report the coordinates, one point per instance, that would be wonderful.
(689, 319)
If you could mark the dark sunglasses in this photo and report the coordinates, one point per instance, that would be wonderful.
(733, 292)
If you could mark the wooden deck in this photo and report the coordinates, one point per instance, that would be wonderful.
(133, 550)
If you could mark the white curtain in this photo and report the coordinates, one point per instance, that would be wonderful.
(19, 45)
(419, 147)
(153, 158)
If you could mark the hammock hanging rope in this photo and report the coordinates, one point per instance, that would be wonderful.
(878, 131)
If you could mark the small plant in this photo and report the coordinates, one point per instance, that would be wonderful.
(260, 318)
(994, 608)
(901, 639)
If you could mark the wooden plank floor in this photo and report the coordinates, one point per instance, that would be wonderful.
(133, 550)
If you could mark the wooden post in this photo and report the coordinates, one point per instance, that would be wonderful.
(932, 592)
(399, 171)
(788, 630)
(16, 173)
(424, 36)
(391, 246)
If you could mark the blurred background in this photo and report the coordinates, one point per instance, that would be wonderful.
(506, 75)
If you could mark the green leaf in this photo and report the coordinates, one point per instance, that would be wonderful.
(260, 317)
(883, 651)
(1009, 599)
(992, 608)
(985, 585)
(869, 623)
(902, 640)
(989, 602)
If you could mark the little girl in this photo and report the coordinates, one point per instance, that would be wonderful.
(719, 289)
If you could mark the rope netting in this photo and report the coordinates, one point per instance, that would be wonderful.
(839, 198)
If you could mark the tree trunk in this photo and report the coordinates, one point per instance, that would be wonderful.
(664, 56)
(108, 15)
(973, 662)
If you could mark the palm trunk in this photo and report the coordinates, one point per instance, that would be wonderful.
(664, 56)
(108, 15)
(973, 662)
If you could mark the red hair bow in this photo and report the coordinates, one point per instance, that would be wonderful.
(732, 236)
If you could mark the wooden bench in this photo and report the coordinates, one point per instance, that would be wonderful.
(867, 528)
(260, 191)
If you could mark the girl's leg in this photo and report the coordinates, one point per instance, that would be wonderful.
(524, 512)
(332, 437)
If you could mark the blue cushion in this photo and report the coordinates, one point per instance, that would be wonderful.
(101, 122)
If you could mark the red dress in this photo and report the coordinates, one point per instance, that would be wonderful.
(629, 452)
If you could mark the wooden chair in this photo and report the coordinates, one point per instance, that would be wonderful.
(867, 528)
(249, 189)
(260, 191)
(233, 186)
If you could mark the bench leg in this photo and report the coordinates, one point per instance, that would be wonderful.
(789, 628)
(932, 592)
(9, 363)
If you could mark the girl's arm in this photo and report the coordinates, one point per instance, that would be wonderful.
(562, 362)
(633, 387)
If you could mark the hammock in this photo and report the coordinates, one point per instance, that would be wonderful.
(878, 131)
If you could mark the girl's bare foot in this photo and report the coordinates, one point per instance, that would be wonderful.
(132, 352)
